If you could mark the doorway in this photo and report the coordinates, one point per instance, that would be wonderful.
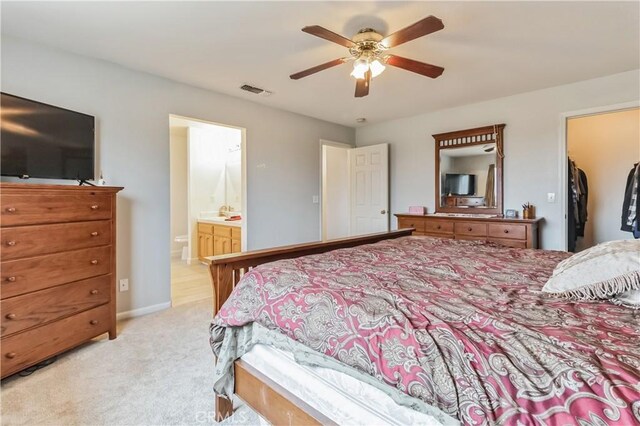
(601, 148)
(355, 190)
(208, 201)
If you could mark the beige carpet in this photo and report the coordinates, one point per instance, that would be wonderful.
(157, 372)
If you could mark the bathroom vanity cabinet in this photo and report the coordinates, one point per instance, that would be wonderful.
(215, 239)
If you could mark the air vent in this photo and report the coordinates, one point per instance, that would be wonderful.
(251, 89)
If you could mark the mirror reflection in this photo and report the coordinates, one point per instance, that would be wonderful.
(468, 176)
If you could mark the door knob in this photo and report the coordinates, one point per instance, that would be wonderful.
(383, 211)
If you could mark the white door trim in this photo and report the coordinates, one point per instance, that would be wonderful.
(564, 118)
(326, 142)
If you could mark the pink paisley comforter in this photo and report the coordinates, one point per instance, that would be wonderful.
(461, 325)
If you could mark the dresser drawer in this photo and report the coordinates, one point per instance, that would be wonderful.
(44, 306)
(36, 273)
(27, 241)
(25, 349)
(438, 227)
(509, 243)
(471, 229)
(35, 209)
(410, 222)
(222, 231)
(509, 231)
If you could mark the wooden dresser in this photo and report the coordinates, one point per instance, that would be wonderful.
(522, 233)
(58, 255)
(215, 239)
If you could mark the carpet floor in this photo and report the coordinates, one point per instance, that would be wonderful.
(157, 372)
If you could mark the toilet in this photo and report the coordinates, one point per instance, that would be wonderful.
(183, 239)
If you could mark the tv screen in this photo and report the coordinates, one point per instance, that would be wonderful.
(458, 184)
(44, 141)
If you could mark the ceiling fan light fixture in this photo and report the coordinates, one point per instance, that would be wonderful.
(376, 68)
(360, 67)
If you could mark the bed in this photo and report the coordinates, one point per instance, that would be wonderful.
(456, 330)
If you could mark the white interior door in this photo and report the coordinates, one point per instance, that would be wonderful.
(369, 178)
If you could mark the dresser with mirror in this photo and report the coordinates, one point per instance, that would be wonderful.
(469, 192)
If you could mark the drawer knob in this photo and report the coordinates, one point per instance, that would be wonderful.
(11, 279)
(438, 227)
(506, 231)
(94, 207)
(10, 209)
(94, 234)
(94, 262)
(11, 355)
(10, 316)
(94, 291)
(93, 322)
(470, 229)
(11, 243)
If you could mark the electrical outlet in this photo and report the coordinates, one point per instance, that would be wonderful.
(315, 199)
(124, 284)
(551, 197)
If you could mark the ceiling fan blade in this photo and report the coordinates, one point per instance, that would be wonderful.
(362, 85)
(317, 68)
(324, 33)
(418, 67)
(428, 25)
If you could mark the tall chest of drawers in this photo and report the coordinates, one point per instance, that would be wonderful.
(57, 254)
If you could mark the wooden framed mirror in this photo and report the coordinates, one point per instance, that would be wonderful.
(469, 171)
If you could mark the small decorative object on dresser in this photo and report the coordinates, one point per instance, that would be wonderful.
(522, 233)
(418, 210)
(58, 269)
(511, 213)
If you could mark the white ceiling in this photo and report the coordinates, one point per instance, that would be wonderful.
(488, 49)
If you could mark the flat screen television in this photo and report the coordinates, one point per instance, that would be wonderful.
(459, 184)
(44, 141)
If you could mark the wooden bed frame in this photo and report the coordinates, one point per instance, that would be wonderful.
(263, 395)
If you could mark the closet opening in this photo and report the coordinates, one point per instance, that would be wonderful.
(602, 153)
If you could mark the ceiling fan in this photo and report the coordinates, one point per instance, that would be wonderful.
(368, 50)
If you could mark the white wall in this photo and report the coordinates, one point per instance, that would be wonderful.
(178, 187)
(605, 147)
(132, 110)
(532, 144)
(336, 192)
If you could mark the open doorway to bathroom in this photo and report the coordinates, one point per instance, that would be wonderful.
(208, 201)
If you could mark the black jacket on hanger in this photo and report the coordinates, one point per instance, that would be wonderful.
(627, 200)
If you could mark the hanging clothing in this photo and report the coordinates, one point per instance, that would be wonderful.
(631, 202)
(583, 198)
(577, 197)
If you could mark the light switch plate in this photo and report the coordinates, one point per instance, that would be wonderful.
(551, 197)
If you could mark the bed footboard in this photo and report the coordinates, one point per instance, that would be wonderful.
(226, 271)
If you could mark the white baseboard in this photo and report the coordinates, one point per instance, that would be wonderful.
(143, 311)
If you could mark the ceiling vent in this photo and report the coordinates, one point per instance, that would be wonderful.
(255, 90)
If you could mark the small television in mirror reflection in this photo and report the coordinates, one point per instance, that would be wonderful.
(459, 184)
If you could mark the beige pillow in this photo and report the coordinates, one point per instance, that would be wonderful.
(600, 272)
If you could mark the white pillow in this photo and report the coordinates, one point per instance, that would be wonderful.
(600, 272)
(630, 299)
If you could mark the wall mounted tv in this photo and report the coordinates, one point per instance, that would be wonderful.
(43, 141)
(459, 184)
